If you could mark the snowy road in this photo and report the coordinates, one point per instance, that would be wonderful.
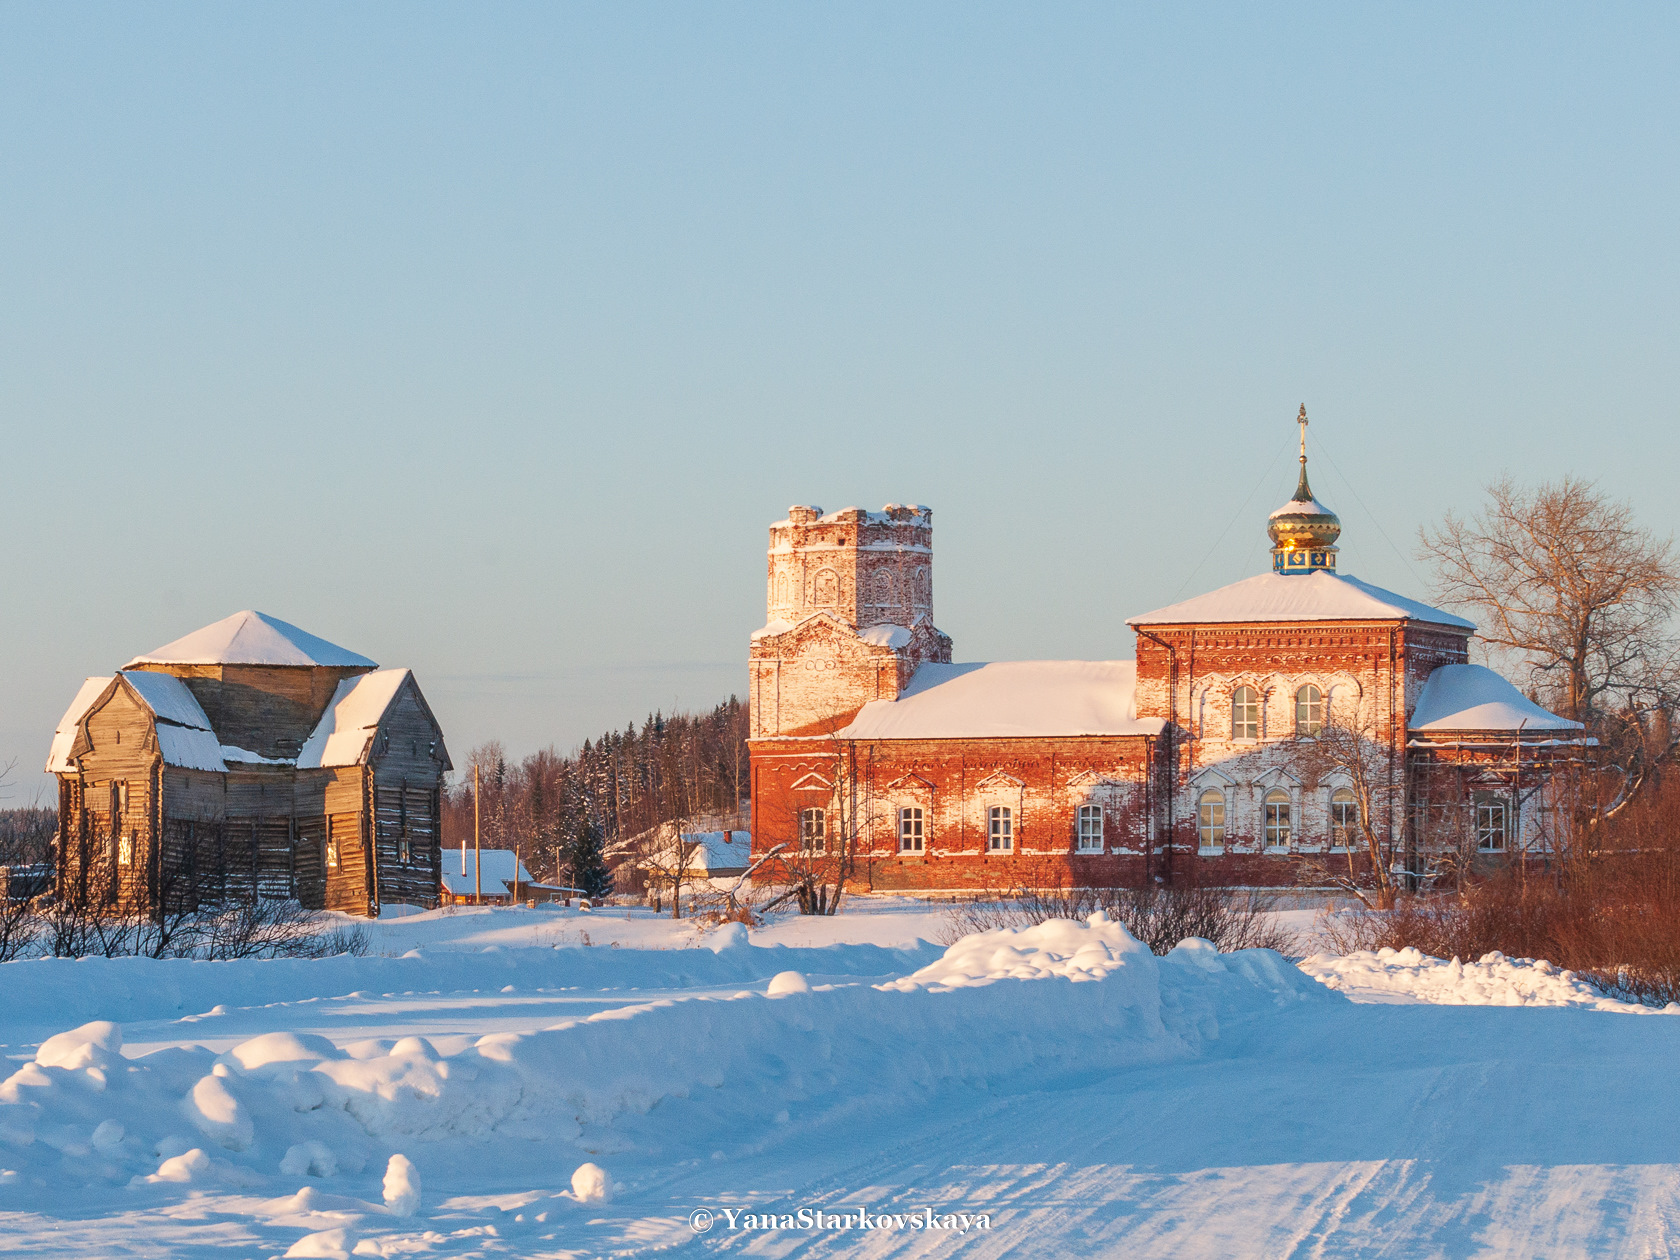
(1372, 1130)
(1182, 1108)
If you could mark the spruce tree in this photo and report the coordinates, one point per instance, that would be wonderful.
(588, 868)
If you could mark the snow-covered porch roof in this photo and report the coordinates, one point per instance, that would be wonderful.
(1458, 698)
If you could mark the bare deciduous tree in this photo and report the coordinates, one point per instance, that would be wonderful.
(668, 859)
(1344, 754)
(1566, 580)
(819, 863)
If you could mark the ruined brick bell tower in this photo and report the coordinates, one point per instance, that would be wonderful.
(849, 607)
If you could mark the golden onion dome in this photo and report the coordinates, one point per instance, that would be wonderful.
(1304, 524)
(1303, 531)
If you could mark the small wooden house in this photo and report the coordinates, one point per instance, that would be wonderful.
(505, 881)
(250, 758)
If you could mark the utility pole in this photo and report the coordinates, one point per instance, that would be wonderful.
(478, 851)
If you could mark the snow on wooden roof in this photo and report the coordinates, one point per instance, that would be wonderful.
(460, 880)
(58, 758)
(341, 737)
(183, 731)
(1005, 699)
(1317, 596)
(251, 638)
(188, 748)
(168, 698)
(1475, 698)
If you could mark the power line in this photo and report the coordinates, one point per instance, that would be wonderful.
(1243, 507)
(1354, 490)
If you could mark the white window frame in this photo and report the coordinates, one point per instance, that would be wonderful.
(1000, 829)
(1210, 797)
(332, 853)
(1240, 730)
(1485, 805)
(1091, 837)
(1277, 824)
(813, 830)
(1342, 834)
(1313, 726)
(125, 850)
(912, 827)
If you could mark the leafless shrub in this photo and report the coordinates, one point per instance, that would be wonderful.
(1158, 915)
(78, 927)
(1620, 931)
(271, 928)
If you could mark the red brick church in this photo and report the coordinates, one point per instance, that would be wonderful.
(1184, 762)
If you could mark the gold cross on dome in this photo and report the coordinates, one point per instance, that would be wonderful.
(1302, 421)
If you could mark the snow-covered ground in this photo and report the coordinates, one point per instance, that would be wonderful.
(557, 1083)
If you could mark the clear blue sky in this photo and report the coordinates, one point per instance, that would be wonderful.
(488, 339)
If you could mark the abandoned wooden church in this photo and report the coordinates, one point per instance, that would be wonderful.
(250, 758)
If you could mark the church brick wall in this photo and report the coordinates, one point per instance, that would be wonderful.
(815, 666)
(955, 783)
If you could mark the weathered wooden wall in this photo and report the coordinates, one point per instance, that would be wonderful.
(257, 829)
(265, 709)
(407, 762)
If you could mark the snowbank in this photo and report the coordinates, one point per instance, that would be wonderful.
(1492, 980)
(1062, 993)
(1056, 948)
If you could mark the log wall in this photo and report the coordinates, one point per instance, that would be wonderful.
(136, 833)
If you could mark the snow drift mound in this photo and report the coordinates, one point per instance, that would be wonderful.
(1063, 948)
(996, 1004)
(1492, 980)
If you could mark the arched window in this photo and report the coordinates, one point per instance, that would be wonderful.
(1277, 819)
(1090, 829)
(883, 588)
(1245, 714)
(910, 829)
(1309, 710)
(1344, 819)
(781, 590)
(1210, 815)
(826, 589)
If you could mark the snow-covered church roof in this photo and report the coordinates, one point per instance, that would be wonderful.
(184, 735)
(341, 737)
(1321, 596)
(64, 738)
(1475, 698)
(1005, 699)
(252, 638)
